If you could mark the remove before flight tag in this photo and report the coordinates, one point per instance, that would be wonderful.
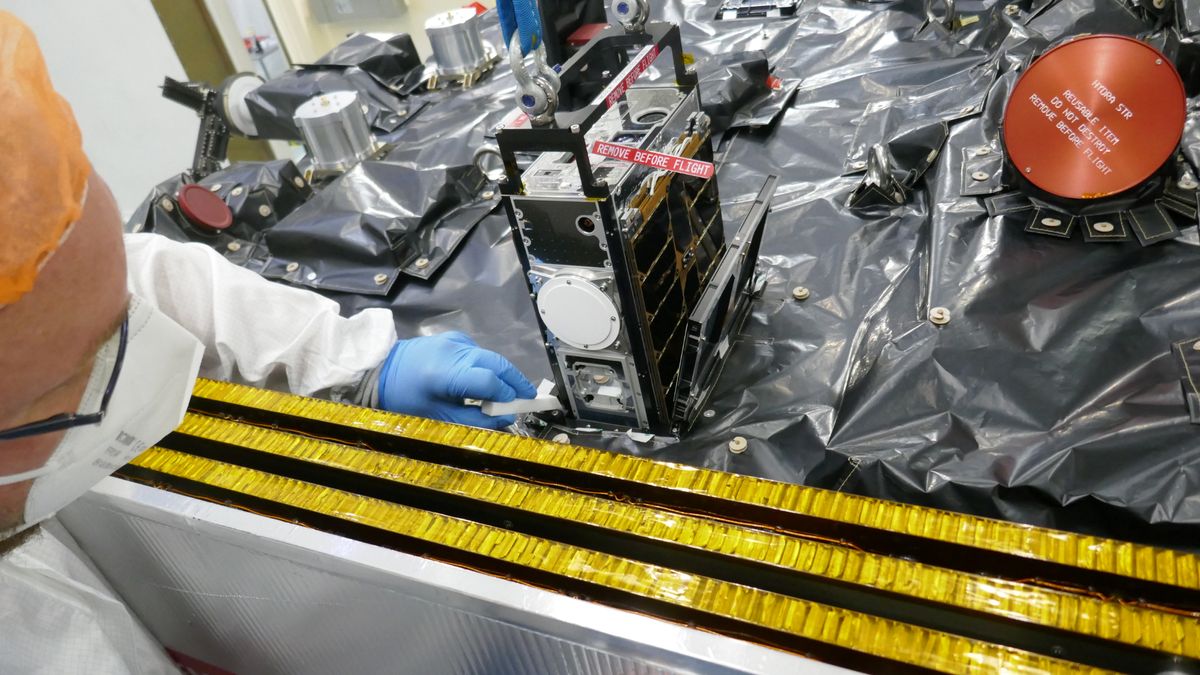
(657, 160)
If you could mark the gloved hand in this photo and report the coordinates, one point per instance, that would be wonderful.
(430, 376)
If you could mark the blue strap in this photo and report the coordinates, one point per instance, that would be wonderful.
(520, 15)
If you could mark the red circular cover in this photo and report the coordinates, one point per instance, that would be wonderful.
(1094, 116)
(204, 208)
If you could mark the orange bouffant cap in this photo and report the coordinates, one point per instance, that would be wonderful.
(45, 172)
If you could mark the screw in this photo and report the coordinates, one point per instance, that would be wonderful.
(233, 247)
(983, 151)
(1012, 10)
(738, 445)
(292, 267)
(264, 210)
(800, 293)
(980, 176)
(214, 188)
(422, 263)
(574, 128)
(237, 191)
(939, 316)
(298, 182)
(710, 413)
(561, 438)
(489, 194)
(381, 279)
(167, 204)
(1051, 222)
(1103, 226)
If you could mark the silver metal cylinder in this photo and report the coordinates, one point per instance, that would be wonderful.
(456, 41)
(335, 130)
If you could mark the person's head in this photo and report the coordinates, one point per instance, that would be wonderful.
(63, 290)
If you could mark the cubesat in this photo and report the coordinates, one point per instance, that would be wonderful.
(638, 286)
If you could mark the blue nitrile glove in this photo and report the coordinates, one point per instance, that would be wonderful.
(430, 376)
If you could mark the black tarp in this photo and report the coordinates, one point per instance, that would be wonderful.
(1055, 395)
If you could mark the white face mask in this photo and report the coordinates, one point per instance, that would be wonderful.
(148, 401)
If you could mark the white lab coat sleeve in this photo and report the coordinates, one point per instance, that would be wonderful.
(59, 615)
(255, 331)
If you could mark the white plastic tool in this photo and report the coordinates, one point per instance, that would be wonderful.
(544, 401)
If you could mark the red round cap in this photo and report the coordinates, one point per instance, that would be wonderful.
(204, 208)
(1094, 116)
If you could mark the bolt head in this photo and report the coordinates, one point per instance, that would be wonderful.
(264, 210)
(800, 293)
(939, 316)
(381, 279)
(422, 263)
(237, 191)
(1012, 10)
(1051, 222)
(1103, 226)
(214, 188)
(167, 205)
(561, 438)
(298, 182)
(710, 413)
(859, 164)
(292, 267)
(1196, 346)
(489, 194)
(1188, 183)
(980, 176)
(738, 445)
(233, 247)
(983, 151)
(575, 128)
